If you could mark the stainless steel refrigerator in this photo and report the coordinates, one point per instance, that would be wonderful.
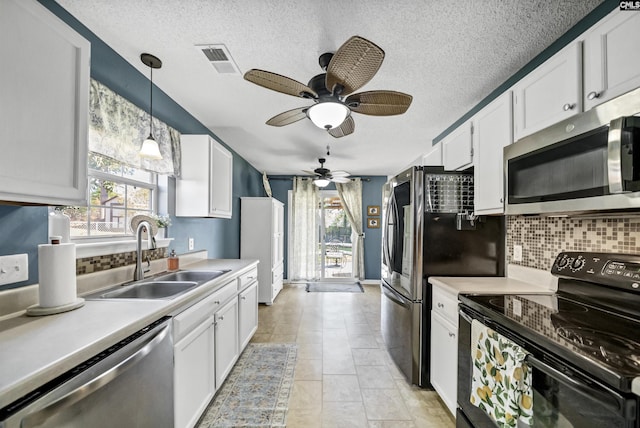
(429, 230)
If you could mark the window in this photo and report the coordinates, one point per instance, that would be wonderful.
(117, 192)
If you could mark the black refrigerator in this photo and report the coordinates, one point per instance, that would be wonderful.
(429, 230)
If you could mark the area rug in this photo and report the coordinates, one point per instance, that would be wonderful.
(256, 393)
(334, 287)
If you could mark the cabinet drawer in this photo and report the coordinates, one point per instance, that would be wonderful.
(185, 321)
(277, 274)
(247, 278)
(445, 304)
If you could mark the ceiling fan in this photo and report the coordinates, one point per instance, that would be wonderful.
(348, 69)
(324, 176)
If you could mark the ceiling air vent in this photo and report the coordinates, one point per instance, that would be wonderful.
(220, 58)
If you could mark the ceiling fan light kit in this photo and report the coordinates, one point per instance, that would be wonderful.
(352, 66)
(321, 182)
(328, 114)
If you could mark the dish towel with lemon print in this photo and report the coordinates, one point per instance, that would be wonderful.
(501, 384)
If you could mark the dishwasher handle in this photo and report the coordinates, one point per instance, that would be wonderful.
(39, 417)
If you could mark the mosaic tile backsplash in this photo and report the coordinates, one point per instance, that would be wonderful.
(110, 261)
(542, 238)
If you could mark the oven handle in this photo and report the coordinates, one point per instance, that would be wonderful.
(614, 156)
(608, 399)
(37, 418)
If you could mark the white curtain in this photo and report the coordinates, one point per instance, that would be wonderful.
(351, 198)
(304, 236)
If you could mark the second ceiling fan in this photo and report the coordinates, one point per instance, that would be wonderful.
(350, 68)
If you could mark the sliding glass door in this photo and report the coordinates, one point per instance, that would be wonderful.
(334, 243)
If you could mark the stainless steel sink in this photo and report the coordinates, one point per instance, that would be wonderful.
(149, 290)
(191, 275)
(164, 286)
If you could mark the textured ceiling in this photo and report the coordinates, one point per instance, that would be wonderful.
(448, 55)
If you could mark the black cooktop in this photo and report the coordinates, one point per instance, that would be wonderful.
(592, 322)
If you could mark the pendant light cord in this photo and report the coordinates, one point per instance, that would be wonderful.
(151, 104)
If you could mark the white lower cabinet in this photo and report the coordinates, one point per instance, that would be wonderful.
(444, 360)
(248, 313)
(444, 346)
(194, 374)
(226, 340)
(208, 338)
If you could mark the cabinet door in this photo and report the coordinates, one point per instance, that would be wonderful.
(433, 157)
(550, 93)
(226, 340)
(192, 188)
(444, 360)
(194, 377)
(493, 131)
(248, 314)
(44, 82)
(221, 181)
(457, 148)
(611, 62)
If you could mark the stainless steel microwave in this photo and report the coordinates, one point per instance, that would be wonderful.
(589, 162)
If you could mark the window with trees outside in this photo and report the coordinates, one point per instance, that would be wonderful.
(117, 192)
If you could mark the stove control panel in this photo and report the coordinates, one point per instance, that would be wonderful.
(619, 270)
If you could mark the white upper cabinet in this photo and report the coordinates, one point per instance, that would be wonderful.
(550, 93)
(493, 127)
(206, 186)
(457, 148)
(434, 156)
(611, 59)
(44, 82)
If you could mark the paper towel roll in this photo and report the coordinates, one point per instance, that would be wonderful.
(57, 272)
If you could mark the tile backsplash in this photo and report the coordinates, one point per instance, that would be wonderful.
(99, 263)
(542, 238)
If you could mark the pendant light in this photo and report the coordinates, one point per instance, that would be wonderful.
(150, 147)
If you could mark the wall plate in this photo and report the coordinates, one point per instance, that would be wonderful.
(14, 268)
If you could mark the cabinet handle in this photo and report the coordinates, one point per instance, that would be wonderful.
(592, 95)
(440, 305)
(243, 298)
(216, 302)
(501, 200)
(221, 318)
(568, 107)
(452, 335)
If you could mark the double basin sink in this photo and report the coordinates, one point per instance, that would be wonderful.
(163, 286)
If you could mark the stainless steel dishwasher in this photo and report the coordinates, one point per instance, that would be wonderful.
(129, 384)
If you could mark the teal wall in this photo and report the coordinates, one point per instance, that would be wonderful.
(23, 228)
(371, 195)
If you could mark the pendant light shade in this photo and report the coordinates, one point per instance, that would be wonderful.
(328, 114)
(150, 148)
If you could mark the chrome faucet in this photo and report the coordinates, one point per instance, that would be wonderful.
(138, 273)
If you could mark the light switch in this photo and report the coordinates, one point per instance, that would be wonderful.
(517, 253)
(14, 268)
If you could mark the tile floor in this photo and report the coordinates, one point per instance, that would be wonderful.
(344, 376)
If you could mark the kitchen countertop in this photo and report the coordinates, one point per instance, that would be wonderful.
(34, 350)
(487, 285)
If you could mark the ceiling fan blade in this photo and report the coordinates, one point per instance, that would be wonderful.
(306, 171)
(340, 174)
(379, 103)
(279, 83)
(353, 64)
(340, 179)
(347, 127)
(288, 117)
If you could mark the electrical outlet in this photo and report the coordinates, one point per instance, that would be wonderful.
(517, 253)
(191, 244)
(14, 268)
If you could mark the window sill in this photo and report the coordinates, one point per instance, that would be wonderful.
(93, 249)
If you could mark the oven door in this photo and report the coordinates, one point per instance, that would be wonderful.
(562, 395)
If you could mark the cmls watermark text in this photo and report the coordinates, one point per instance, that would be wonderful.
(630, 5)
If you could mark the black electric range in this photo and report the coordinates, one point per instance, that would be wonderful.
(589, 328)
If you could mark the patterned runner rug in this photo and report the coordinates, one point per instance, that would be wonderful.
(256, 393)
